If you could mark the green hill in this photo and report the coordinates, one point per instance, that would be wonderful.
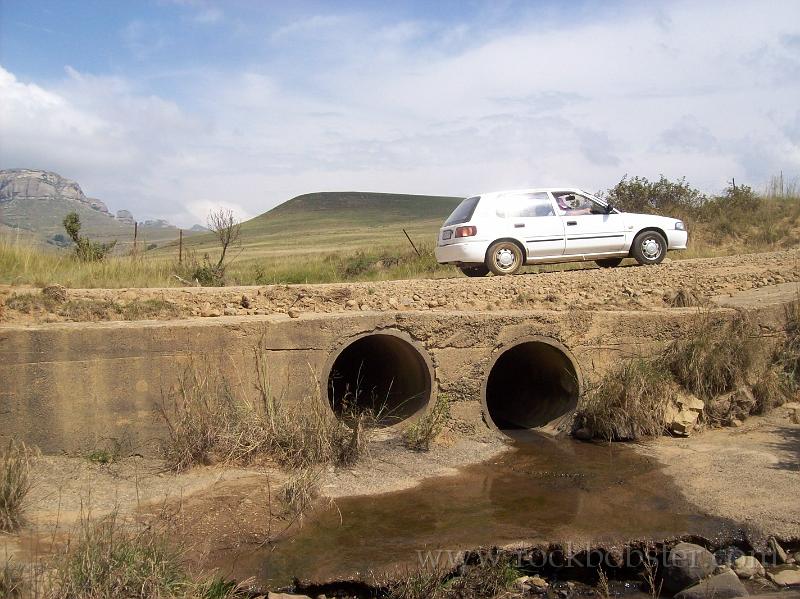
(328, 222)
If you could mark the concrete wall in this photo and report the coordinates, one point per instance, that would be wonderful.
(67, 387)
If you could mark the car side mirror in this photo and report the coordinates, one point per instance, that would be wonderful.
(609, 208)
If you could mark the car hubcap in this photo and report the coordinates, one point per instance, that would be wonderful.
(505, 258)
(651, 249)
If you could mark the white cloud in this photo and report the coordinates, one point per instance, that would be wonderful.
(424, 107)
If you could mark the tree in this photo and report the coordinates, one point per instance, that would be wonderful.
(227, 229)
(85, 249)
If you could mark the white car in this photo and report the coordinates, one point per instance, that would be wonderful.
(501, 231)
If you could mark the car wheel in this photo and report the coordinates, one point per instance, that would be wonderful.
(475, 271)
(608, 262)
(504, 258)
(649, 247)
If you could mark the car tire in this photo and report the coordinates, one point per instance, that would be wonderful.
(475, 271)
(649, 247)
(608, 262)
(504, 258)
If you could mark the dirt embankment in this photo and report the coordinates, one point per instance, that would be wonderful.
(622, 288)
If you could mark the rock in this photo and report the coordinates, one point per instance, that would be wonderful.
(786, 576)
(684, 422)
(351, 303)
(583, 433)
(728, 555)
(777, 550)
(56, 292)
(687, 564)
(521, 583)
(747, 566)
(293, 313)
(538, 584)
(720, 586)
(245, 302)
(393, 303)
(124, 216)
(271, 595)
(230, 312)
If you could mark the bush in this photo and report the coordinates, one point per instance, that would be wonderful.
(629, 402)
(662, 196)
(85, 249)
(420, 434)
(16, 461)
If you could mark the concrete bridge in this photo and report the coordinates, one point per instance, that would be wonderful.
(69, 386)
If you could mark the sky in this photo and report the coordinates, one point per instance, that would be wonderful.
(171, 108)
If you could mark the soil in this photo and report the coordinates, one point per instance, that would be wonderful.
(750, 474)
(622, 288)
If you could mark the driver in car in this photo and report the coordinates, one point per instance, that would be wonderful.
(568, 203)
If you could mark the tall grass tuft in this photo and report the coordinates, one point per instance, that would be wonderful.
(209, 421)
(16, 461)
(718, 356)
(422, 433)
(629, 402)
(12, 579)
(789, 354)
(108, 560)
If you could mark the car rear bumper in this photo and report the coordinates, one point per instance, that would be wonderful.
(677, 240)
(469, 252)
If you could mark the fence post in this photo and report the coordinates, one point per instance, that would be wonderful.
(180, 246)
(135, 235)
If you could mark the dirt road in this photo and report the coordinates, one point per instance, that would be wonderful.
(622, 288)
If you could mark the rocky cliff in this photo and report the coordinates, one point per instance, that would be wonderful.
(29, 184)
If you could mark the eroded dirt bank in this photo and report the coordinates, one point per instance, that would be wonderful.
(624, 288)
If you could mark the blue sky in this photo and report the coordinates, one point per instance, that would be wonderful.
(172, 107)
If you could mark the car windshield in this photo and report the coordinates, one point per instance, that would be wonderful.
(463, 213)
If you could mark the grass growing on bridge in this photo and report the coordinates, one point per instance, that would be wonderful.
(16, 461)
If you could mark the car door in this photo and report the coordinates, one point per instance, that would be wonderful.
(587, 232)
(531, 218)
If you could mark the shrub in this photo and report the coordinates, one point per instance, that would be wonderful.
(85, 249)
(629, 402)
(16, 461)
(637, 194)
(420, 434)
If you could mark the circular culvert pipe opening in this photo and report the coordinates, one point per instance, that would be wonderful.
(383, 374)
(532, 384)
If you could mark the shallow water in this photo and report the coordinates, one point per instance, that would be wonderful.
(544, 490)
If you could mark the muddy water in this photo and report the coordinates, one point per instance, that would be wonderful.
(543, 490)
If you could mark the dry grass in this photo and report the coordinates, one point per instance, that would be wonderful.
(300, 491)
(12, 579)
(482, 576)
(16, 461)
(424, 431)
(209, 421)
(718, 357)
(629, 402)
(82, 310)
(684, 298)
(789, 353)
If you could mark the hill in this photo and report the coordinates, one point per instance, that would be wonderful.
(328, 222)
(33, 204)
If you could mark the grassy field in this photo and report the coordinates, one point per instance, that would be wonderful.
(329, 237)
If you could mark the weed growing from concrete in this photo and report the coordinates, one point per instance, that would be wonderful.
(628, 403)
(300, 491)
(16, 461)
(422, 433)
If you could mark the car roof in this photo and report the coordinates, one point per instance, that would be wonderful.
(534, 190)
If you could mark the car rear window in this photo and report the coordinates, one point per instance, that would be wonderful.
(463, 213)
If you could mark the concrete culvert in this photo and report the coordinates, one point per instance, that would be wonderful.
(531, 385)
(383, 373)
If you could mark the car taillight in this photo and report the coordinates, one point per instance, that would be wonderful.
(466, 231)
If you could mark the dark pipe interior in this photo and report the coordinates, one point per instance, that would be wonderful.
(381, 373)
(531, 385)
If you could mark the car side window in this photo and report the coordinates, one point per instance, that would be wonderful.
(525, 205)
(572, 204)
